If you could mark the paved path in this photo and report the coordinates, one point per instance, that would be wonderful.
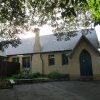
(69, 90)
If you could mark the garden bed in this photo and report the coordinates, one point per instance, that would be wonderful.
(37, 80)
(26, 78)
(40, 78)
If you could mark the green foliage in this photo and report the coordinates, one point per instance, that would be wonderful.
(94, 8)
(28, 76)
(63, 15)
(22, 75)
(3, 78)
(7, 78)
(52, 75)
(56, 75)
(12, 15)
(19, 76)
(12, 10)
(21, 12)
(36, 75)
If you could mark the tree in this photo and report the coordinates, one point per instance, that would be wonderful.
(12, 14)
(94, 8)
(16, 15)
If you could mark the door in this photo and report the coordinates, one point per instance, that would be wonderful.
(85, 64)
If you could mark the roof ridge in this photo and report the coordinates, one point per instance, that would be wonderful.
(49, 43)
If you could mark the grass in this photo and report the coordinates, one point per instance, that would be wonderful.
(7, 78)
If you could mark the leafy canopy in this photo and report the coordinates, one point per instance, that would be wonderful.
(63, 15)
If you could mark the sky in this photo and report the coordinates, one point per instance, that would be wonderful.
(45, 30)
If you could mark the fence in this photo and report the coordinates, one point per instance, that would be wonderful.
(9, 68)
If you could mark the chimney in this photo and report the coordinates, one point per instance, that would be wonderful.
(37, 46)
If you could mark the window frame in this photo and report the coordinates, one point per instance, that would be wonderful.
(64, 58)
(51, 59)
(24, 65)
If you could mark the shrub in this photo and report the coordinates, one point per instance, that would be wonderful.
(27, 75)
(52, 75)
(56, 75)
(18, 76)
(35, 75)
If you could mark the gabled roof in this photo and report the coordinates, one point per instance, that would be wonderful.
(83, 38)
(2, 53)
(49, 43)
